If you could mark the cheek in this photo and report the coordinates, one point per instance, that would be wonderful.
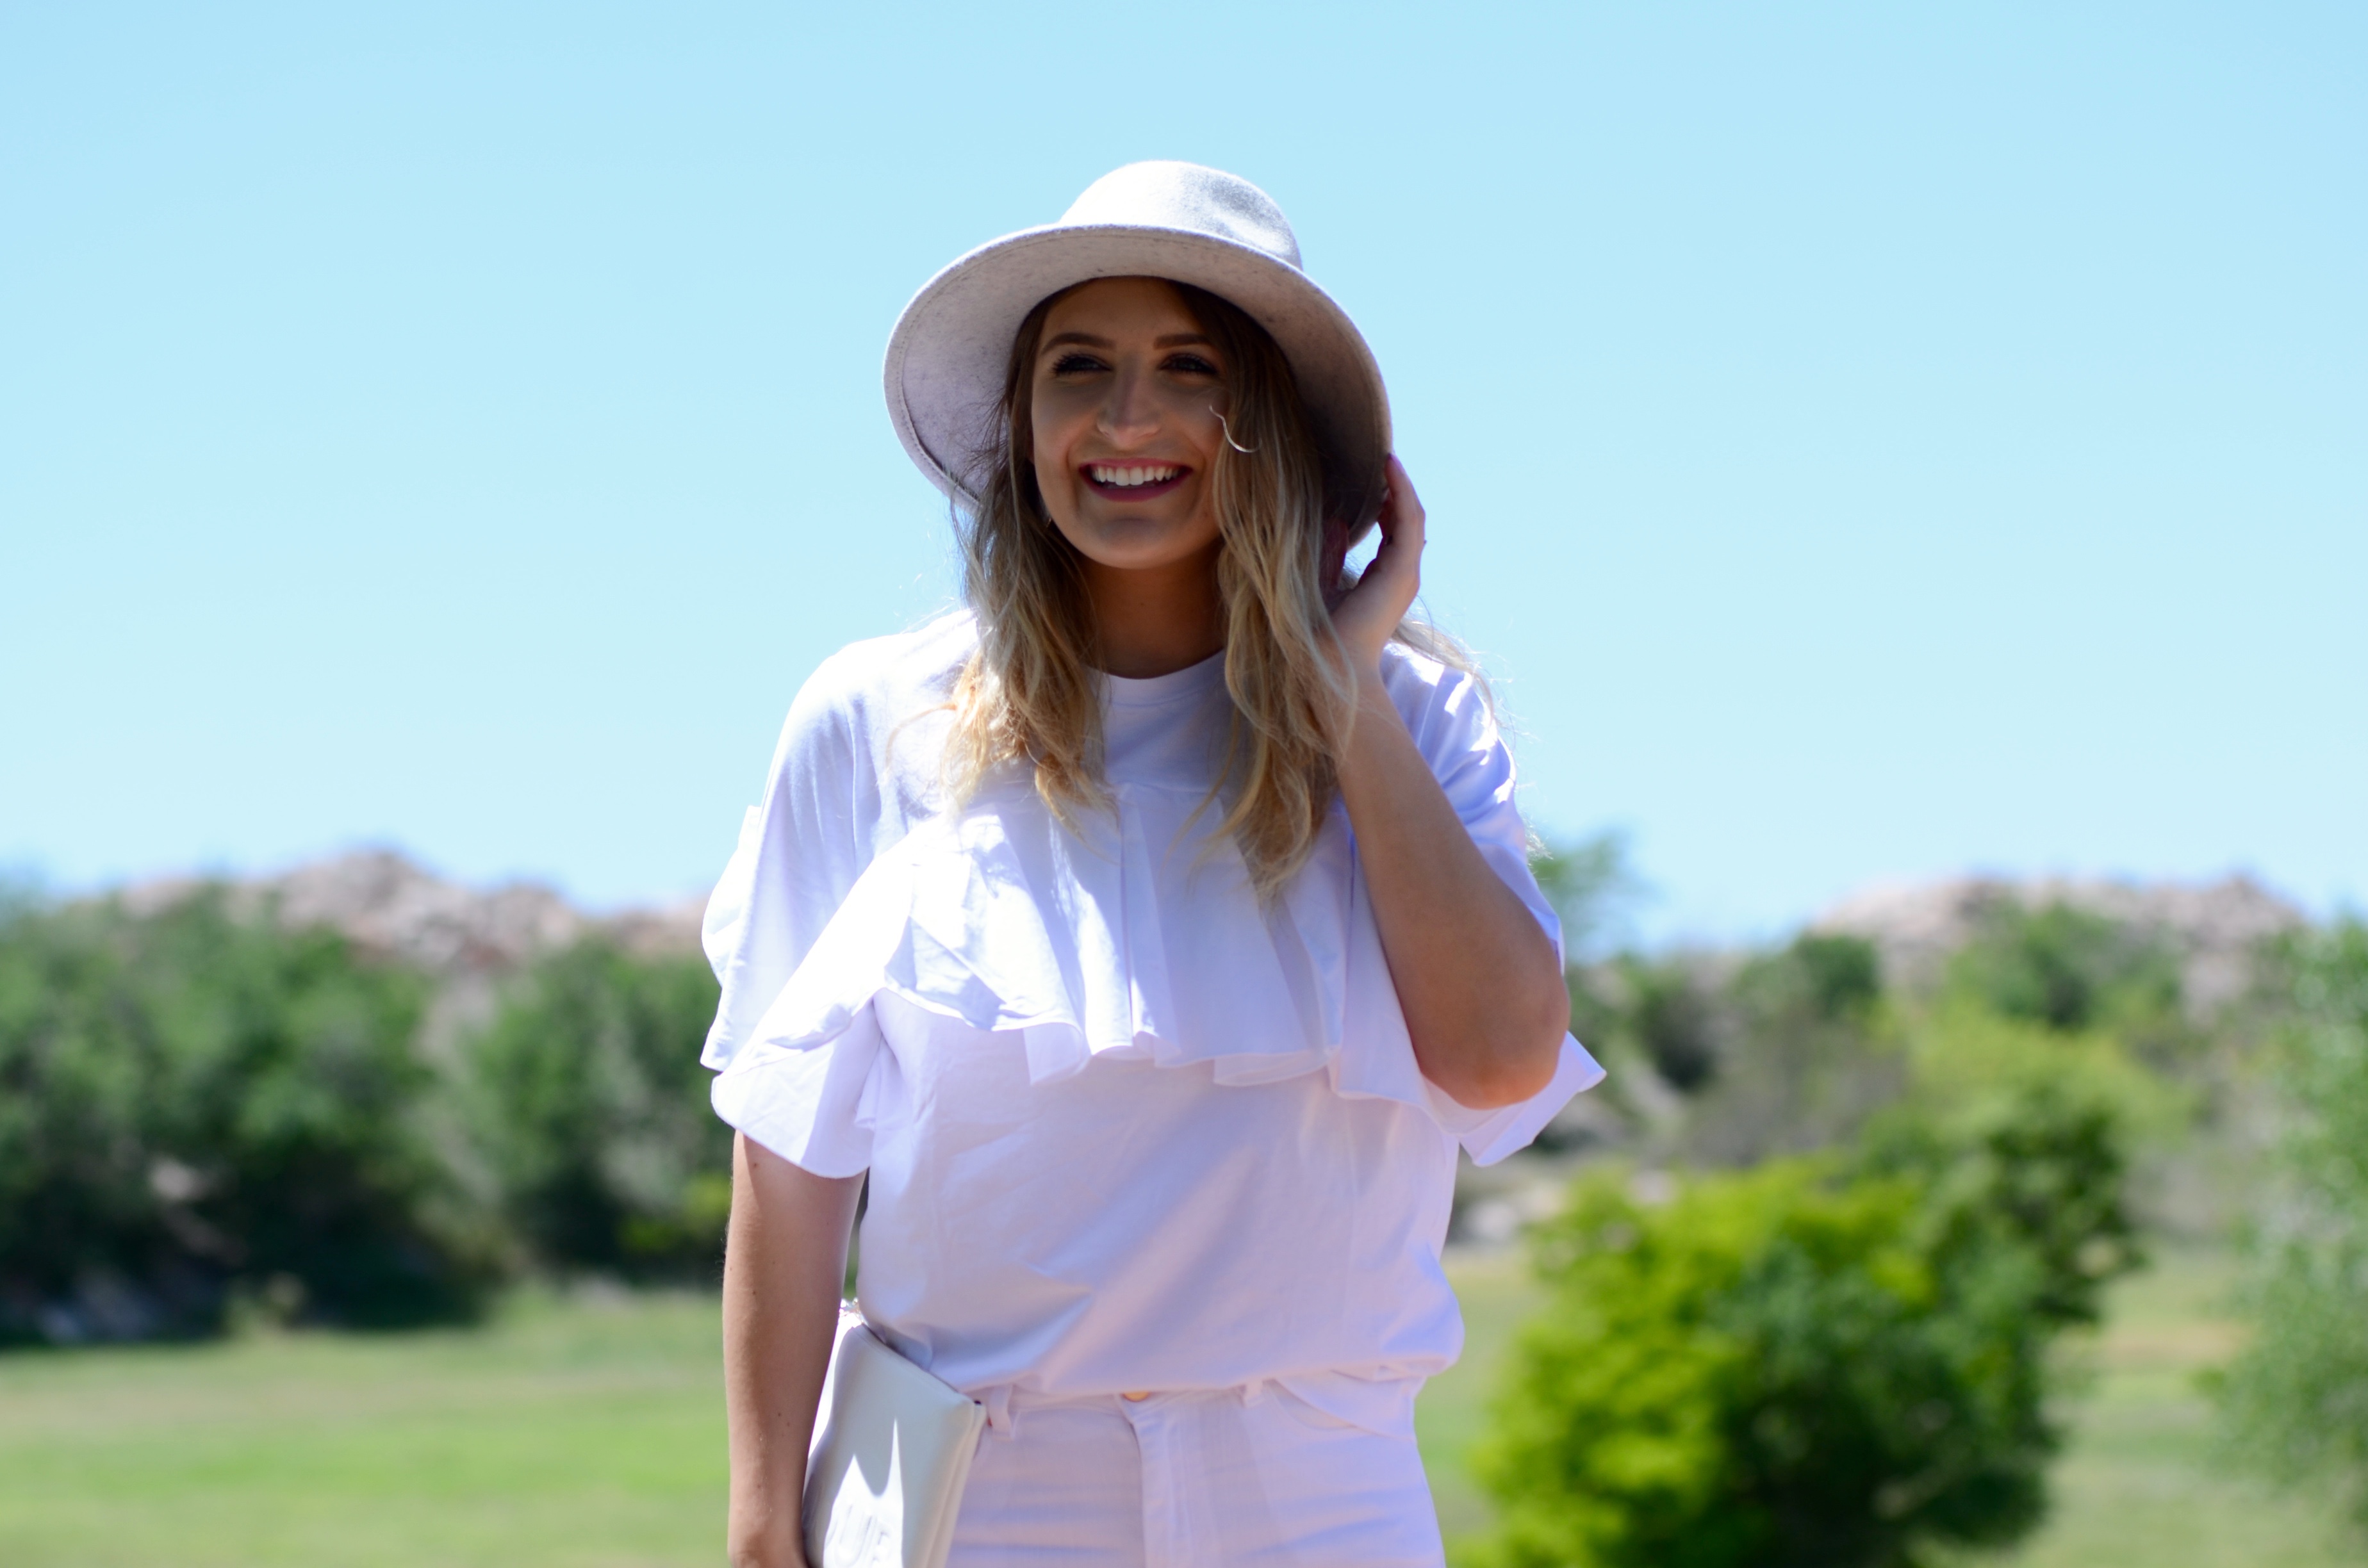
(1050, 439)
(1053, 480)
(1059, 413)
(1194, 417)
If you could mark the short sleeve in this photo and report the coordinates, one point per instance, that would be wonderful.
(813, 1106)
(800, 852)
(1489, 1135)
(1447, 712)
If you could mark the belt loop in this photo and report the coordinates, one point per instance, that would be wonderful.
(998, 1401)
(1253, 1391)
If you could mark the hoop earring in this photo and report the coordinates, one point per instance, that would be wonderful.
(1228, 429)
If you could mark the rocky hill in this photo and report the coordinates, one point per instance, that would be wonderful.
(2214, 927)
(389, 904)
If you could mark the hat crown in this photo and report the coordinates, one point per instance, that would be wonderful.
(1167, 195)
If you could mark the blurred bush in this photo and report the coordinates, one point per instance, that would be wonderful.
(1668, 1011)
(593, 1108)
(1833, 1360)
(1594, 887)
(193, 1107)
(204, 1112)
(2295, 1400)
(1807, 1048)
(2076, 972)
(1727, 1058)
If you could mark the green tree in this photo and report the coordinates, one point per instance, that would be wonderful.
(77, 1206)
(1670, 1015)
(1811, 1052)
(2075, 971)
(1594, 889)
(595, 1111)
(191, 1103)
(2295, 1400)
(1833, 1361)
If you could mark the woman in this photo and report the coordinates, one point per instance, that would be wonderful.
(1151, 936)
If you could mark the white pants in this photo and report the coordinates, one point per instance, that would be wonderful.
(1193, 1481)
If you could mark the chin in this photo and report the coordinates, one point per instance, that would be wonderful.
(1130, 544)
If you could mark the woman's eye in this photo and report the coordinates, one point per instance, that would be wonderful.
(1071, 364)
(1191, 365)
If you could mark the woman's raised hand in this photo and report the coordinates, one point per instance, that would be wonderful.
(1478, 978)
(1366, 614)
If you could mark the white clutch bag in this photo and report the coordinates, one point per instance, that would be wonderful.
(892, 1448)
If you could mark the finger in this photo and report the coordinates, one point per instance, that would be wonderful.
(1407, 505)
(1396, 567)
(1398, 485)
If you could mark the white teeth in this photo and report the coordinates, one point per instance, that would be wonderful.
(1129, 475)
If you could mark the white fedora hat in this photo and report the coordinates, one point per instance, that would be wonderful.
(1215, 231)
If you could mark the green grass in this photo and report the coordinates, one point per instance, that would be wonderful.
(2138, 1486)
(577, 1434)
(590, 1432)
(1497, 1293)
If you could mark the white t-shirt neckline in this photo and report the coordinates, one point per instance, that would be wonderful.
(1146, 692)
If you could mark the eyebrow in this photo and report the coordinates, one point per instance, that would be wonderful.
(1087, 339)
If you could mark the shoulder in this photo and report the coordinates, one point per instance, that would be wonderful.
(873, 686)
(882, 681)
(1446, 709)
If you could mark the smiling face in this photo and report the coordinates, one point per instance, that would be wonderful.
(1125, 397)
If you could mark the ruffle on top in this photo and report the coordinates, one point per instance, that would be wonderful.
(1137, 935)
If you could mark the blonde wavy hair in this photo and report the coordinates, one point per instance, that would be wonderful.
(1028, 695)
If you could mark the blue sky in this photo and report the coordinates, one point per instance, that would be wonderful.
(1867, 442)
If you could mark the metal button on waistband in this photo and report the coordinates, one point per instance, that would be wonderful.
(1137, 1398)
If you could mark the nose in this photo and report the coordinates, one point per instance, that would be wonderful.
(1131, 413)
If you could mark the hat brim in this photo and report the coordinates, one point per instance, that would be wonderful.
(952, 347)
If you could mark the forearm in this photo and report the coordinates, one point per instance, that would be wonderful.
(1476, 976)
(784, 1263)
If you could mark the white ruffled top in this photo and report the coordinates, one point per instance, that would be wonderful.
(1126, 1126)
